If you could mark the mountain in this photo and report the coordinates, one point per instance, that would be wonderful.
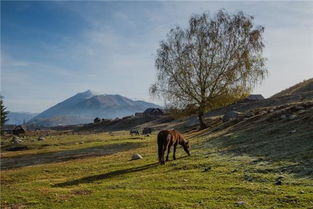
(18, 118)
(84, 107)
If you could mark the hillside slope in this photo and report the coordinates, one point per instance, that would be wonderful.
(284, 134)
(271, 134)
(299, 88)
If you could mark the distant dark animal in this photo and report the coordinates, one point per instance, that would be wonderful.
(146, 131)
(168, 138)
(134, 132)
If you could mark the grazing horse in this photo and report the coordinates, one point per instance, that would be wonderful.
(146, 131)
(168, 138)
(134, 131)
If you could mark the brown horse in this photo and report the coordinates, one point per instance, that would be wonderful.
(168, 138)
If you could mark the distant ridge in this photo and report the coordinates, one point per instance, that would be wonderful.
(85, 106)
(302, 87)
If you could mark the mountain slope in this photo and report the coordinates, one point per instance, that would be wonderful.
(84, 107)
(65, 106)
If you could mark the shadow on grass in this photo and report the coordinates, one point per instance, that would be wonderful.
(91, 179)
(291, 151)
(54, 157)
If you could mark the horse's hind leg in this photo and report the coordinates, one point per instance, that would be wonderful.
(168, 150)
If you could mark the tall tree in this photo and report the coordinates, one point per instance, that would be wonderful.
(213, 62)
(3, 114)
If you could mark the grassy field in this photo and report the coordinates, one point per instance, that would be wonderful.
(95, 171)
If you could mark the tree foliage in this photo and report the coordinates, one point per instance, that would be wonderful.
(3, 114)
(213, 62)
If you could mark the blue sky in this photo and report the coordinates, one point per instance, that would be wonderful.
(52, 50)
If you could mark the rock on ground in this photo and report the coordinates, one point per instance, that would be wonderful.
(292, 116)
(136, 157)
(41, 138)
(240, 203)
(16, 140)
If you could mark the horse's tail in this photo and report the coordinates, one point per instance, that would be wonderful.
(161, 146)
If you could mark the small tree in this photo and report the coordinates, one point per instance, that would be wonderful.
(213, 62)
(3, 114)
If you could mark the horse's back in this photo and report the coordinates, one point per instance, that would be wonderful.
(175, 134)
(166, 135)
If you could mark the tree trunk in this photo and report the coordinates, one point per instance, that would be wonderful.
(201, 121)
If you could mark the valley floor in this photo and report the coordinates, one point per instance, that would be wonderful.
(95, 171)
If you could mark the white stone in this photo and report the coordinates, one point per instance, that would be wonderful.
(136, 156)
(16, 140)
(41, 138)
(293, 131)
(241, 203)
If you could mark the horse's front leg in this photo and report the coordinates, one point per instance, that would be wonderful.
(174, 152)
(168, 150)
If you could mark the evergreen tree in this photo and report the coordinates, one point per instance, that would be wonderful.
(3, 114)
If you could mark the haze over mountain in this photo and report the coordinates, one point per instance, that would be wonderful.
(18, 118)
(84, 107)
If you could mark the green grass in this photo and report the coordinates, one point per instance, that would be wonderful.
(207, 179)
